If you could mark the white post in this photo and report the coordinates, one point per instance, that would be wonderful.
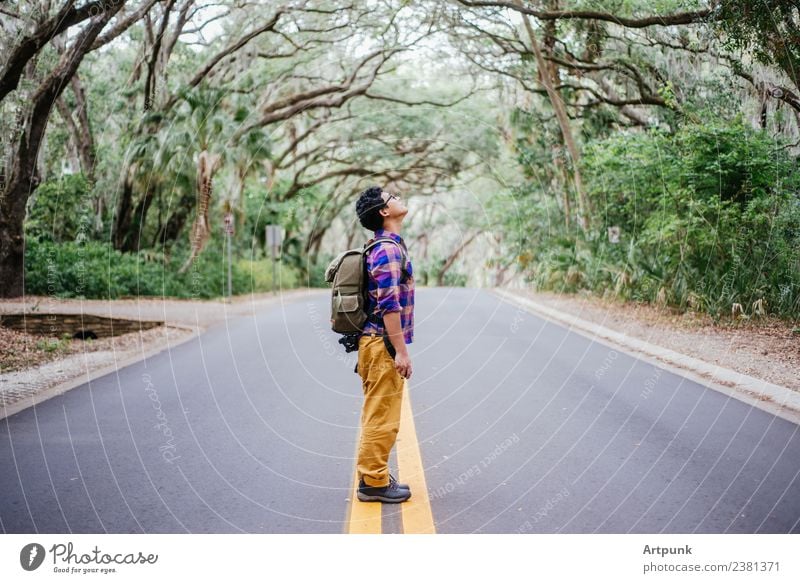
(274, 235)
(228, 242)
(230, 270)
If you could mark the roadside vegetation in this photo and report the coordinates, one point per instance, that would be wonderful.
(632, 150)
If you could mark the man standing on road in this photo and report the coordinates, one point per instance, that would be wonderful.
(383, 359)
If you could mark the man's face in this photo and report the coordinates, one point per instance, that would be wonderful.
(395, 205)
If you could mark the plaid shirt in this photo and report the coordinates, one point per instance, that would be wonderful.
(384, 288)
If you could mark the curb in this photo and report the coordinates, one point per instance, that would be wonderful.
(89, 376)
(775, 399)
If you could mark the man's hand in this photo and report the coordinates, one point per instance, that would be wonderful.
(402, 362)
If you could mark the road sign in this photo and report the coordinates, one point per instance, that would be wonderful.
(274, 237)
(274, 241)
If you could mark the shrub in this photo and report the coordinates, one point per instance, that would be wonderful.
(60, 210)
(709, 217)
(257, 276)
(93, 269)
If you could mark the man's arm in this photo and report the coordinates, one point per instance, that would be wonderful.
(402, 360)
(386, 267)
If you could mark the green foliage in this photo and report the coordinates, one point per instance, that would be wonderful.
(426, 272)
(316, 273)
(708, 214)
(95, 270)
(59, 345)
(667, 93)
(259, 275)
(709, 217)
(264, 207)
(455, 279)
(60, 210)
(770, 28)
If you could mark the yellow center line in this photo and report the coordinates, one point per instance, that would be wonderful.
(417, 514)
(363, 517)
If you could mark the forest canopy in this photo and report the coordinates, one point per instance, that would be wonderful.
(645, 150)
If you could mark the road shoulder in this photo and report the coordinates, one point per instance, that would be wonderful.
(599, 325)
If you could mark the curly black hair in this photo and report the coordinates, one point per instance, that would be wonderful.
(368, 205)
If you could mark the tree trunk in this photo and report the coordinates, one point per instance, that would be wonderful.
(172, 229)
(500, 275)
(545, 75)
(453, 256)
(123, 215)
(12, 243)
(313, 255)
(72, 143)
(132, 240)
(84, 136)
(561, 169)
(207, 165)
(23, 178)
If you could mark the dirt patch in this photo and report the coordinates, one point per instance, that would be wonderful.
(20, 351)
(188, 312)
(766, 348)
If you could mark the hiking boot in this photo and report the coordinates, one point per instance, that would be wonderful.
(391, 494)
(399, 485)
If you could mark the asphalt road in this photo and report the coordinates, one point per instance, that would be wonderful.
(523, 427)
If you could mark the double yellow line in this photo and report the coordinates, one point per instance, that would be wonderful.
(365, 517)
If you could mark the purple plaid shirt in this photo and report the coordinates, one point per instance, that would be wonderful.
(385, 288)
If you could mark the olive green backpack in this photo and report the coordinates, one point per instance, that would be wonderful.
(348, 276)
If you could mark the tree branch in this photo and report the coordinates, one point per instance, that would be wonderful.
(232, 48)
(123, 25)
(658, 20)
(311, 99)
(30, 45)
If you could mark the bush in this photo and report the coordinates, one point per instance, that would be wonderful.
(60, 210)
(95, 270)
(258, 276)
(709, 217)
(316, 273)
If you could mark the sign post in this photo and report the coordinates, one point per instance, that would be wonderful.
(274, 242)
(228, 234)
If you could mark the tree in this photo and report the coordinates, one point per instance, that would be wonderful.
(18, 169)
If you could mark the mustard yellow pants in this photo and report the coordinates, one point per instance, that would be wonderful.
(380, 416)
